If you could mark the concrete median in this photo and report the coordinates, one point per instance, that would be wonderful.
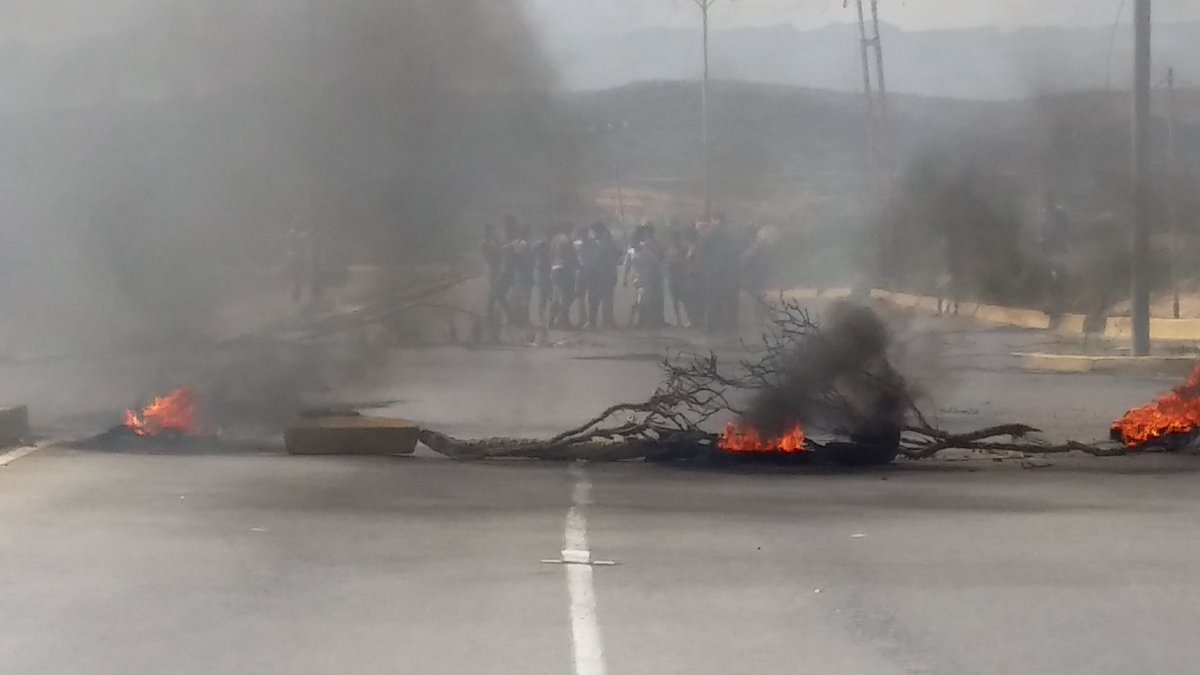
(14, 425)
(1079, 363)
(1165, 330)
(1071, 325)
(990, 314)
(1012, 316)
(351, 435)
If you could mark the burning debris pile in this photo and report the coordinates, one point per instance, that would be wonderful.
(810, 393)
(1172, 419)
(836, 379)
(169, 421)
(741, 438)
(170, 415)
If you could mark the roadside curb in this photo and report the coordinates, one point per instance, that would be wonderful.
(1163, 330)
(1116, 328)
(13, 454)
(1079, 363)
(991, 314)
(838, 293)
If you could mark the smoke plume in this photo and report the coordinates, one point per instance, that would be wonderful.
(838, 379)
(169, 147)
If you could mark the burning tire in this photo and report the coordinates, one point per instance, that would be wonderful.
(864, 450)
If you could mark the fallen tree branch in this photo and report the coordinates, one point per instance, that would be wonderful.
(1060, 449)
(596, 449)
(943, 440)
(637, 441)
(670, 424)
(647, 407)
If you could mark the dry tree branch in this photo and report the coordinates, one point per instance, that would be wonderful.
(695, 389)
(941, 440)
(648, 407)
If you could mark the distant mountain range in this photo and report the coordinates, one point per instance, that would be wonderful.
(651, 130)
(978, 63)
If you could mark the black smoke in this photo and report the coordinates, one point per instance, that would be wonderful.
(837, 379)
(171, 146)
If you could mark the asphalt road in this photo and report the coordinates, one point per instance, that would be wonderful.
(216, 560)
(249, 563)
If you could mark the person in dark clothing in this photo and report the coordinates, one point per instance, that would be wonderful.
(492, 250)
(587, 289)
(676, 265)
(727, 287)
(497, 285)
(542, 274)
(644, 261)
(564, 269)
(754, 264)
(1056, 242)
(693, 298)
(502, 287)
(717, 259)
(701, 258)
(608, 256)
(518, 262)
(627, 264)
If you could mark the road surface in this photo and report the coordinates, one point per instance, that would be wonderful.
(248, 563)
(217, 559)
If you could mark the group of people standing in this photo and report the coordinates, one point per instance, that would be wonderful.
(576, 270)
(566, 266)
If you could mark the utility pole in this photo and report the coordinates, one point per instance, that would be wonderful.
(312, 80)
(704, 6)
(1172, 205)
(877, 123)
(885, 138)
(1140, 283)
(868, 95)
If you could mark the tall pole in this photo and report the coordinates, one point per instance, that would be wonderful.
(1140, 285)
(885, 141)
(314, 115)
(704, 124)
(868, 91)
(704, 6)
(1172, 206)
(880, 172)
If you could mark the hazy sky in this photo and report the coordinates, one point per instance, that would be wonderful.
(613, 15)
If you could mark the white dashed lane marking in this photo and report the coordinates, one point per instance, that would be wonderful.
(585, 626)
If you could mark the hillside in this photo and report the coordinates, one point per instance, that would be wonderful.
(981, 63)
(798, 158)
(651, 131)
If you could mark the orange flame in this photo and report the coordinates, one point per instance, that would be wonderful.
(1175, 413)
(739, 437)
(173, 413)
